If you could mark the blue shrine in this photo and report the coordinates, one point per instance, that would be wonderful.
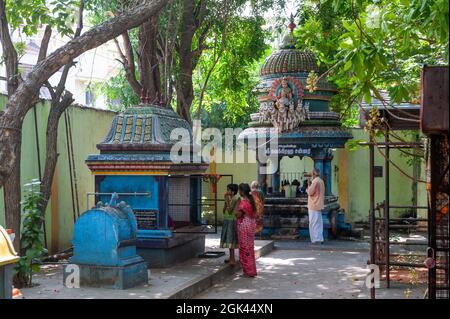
(299, 116)
(165, 196)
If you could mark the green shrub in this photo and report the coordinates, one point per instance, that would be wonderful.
(31, 241)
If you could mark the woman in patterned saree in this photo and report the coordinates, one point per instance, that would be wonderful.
(246, 225)
(228, 238)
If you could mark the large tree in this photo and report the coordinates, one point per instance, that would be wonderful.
(23, 93)
(194, 36)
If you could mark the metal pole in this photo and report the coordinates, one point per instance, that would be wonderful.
(372, 212)
(432, 212)
(69, 159)
(120, 194)
(386, 208)
(38, 151)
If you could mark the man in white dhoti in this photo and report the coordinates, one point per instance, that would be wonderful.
(316, 195)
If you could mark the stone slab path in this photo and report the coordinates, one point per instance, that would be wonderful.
(182, 280)
(300, 273)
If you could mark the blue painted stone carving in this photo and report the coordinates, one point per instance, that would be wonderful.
(104, 247)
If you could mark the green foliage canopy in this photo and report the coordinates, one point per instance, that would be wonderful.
(28, 15)
(368, 46)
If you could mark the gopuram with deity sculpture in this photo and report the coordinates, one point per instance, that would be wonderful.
(296, 110)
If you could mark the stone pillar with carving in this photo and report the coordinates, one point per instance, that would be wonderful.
(318, 156)
(276, 179)
(327, 172)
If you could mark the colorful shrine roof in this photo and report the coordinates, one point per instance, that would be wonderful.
(139, 142)
(285, 61)
(288, 59)
(305, 136)
(298, 112)
(145, 127)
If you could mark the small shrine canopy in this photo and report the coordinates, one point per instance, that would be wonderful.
(143, 128)
(139, 141)
(398, 116)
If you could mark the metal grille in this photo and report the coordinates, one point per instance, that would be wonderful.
(179, 196)
(199, 214)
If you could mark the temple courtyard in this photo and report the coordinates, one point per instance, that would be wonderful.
(224, 149)
(286, 269)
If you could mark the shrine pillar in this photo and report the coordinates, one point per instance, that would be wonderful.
(262, 176)
(322, 161)
(318, 156)
(276, 179)
(327, 176)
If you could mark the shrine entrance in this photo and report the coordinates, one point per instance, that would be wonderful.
(193, 207)
(300, 119)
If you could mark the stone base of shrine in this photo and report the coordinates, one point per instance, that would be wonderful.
(123, 277)
(165, 252)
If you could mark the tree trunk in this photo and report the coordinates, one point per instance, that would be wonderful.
(12, 188)
(128, 63)
(185, 90)
(19, 103)
(12, 198)
(10, 57)
(57, 109)
(148, 61)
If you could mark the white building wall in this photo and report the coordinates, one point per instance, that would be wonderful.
(97, 65)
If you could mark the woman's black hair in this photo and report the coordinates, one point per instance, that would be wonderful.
(233, 188)
(245, 189)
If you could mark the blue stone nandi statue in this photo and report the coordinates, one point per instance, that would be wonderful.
(104, 248)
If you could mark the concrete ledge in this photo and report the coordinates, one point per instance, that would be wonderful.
(198, 285)
(335, 245)
(175, 251)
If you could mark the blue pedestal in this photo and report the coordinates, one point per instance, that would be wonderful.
(111, 277)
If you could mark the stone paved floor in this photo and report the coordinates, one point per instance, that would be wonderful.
(295, 269)
(162, 283)
(294, 273)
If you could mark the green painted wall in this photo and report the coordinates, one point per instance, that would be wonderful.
(90, 126)
(400, 185)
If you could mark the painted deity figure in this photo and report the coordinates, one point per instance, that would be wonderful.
(293, 120)
(282, 117)
(301, 113)
(283, 112)
(284, 104)
(284, 97)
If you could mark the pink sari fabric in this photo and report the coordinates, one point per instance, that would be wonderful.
(246, 226)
